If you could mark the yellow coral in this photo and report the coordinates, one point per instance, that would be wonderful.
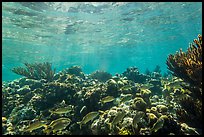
(124, 131)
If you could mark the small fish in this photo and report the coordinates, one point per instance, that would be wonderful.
(90, 116)
(137, 118)
(117, 118)
(107, 99)
(126, 98)
(159, 124)
(62, 110)
(175, 84)
(127, 87)
(58, 124)
(36, 125)
(145, 86)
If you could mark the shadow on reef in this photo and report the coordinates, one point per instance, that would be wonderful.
(73, 103)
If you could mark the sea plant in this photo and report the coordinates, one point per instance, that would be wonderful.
(36, 71)
(188, 65)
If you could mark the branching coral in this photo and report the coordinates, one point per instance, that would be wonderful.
(188, 65)
(36, 71)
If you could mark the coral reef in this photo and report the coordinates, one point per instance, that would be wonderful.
(132, 73)
(75, 70)
(188, 65)
(74, 103)
(36, 71)
(100, 75)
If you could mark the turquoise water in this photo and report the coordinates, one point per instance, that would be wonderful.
(96, 36)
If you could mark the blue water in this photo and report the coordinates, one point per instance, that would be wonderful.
(105, 36)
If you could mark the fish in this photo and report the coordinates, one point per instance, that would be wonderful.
(36, 125)
(58, 124)
(118, 118)
(175, 84)
(159, 124)
(145, 86)
(127, 87)
(107, 99)
(126, 98)
(137, 118)
(62, 110)
(90, 116)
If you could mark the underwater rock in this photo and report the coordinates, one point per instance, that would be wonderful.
(100, 126)
(25, 89)
(127, 122)
(139, 104)
(144, 131)
(154, 99)
(94, 127)
(166, 93)
(22, 82)
(152, 118)
(112, 86)
(162, 108)
(75, 70)
(145, 94)
(137, 119)
(112, 113)
(156, 90)
(170, 126)
(155, 82)
(119, 117)
(132, 73)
